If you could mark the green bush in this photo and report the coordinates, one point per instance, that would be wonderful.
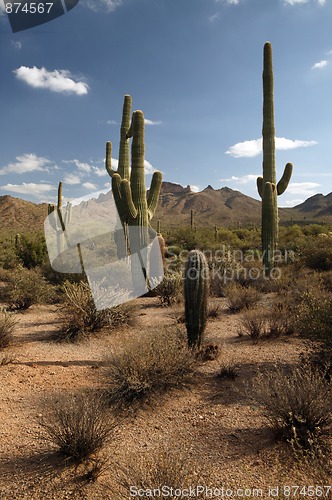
(170, 289)
(26, 287)
(31, 250)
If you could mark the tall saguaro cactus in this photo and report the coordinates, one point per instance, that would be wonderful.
(135, 207)
(196, 285)
(268, 188)
(123, 171)
(58, 221)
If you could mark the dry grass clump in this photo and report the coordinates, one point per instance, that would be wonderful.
(170, 289)
(77, 427)
(240, 297)
(298, 402)
(8, 323)
(167, 471)
(152, 363)
(253, 323)
(82, 316)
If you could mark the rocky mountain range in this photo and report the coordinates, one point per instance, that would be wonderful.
(221, 207)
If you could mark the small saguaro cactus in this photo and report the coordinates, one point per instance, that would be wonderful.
(58, 221)
(196, 285)
(135, 207)
(267, 185)
(192, 220)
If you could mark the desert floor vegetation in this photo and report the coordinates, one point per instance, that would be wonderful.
(132, 406)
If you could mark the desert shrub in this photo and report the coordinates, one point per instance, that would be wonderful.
(77, 426)
(298, 404)
(31, 250)
(240, 297)
(169, 289)
(320, 358)
(26, 287)
(57, 278)
(213, 311)
(280, 319)
(154, 362)
(228, 371)
(8, 323)
(314, 312)
(82, 316)
(317, 254)
(253, 323)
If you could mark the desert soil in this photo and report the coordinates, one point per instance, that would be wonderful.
(216, 424)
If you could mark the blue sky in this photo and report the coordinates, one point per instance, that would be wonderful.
(194, 67)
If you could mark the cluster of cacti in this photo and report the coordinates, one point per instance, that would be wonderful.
(135, 207)
(58, 221)
(196, 286)
(267, 185)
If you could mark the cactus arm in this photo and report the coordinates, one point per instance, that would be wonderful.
(116, 190)
(260, 186)
(284, 181)
(127, 199)
(154, 193)
(108, 161)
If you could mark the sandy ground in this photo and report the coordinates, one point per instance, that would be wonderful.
(216, 424)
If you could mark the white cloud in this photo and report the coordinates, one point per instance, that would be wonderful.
(295, 2)
(102, 5)
(71, 179)
(56, 81)
(100, 172)
(241, 180)
(303, 188)
(249, 149)
(111, 122)
(83, 167)
(229, 2)
(26, 163)
(194, 189)
(214, 17)
(151, 122)
(320, 64)
(149, 169)
(28, 188)
(16, 44)
(293, 203)
(89, 185)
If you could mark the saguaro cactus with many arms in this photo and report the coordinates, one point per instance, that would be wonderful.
(135, 208)
(196, 284)
(123, 171)
(58, 221)
(267, 185)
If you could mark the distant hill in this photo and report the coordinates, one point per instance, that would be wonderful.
(20, 215)
(223, 206)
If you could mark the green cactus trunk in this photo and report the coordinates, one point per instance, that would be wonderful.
(267, 185)
(135, 208)
(196, 284)
(59, 220)
(122, 243)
